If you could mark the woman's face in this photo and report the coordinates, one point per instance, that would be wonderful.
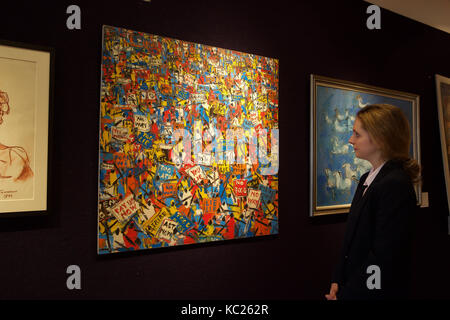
(364, 147)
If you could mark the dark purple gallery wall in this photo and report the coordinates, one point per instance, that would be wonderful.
(327, 38)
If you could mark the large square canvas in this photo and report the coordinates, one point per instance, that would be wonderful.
(188, 143)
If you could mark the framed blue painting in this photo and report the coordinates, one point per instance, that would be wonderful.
(335, 171)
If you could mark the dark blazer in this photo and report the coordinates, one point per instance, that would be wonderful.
(378, 232)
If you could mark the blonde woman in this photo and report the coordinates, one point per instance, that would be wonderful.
(375, 258)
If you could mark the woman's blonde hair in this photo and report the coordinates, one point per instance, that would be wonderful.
(389, 128)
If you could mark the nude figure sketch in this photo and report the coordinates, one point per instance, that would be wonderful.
(14, 161)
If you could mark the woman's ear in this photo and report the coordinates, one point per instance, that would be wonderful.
(374, 141)
(381, 148)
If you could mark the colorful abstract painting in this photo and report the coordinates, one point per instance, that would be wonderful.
(188, 143)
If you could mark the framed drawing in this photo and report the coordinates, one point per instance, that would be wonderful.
(335, 171)
(25, 99)
(443, 99)
(188, 143)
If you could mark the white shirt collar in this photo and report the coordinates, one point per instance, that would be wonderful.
(372, 175)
